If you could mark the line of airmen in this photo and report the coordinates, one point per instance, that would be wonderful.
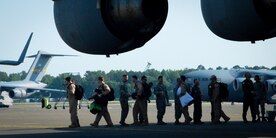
(254, 95)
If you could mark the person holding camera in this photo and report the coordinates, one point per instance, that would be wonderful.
(101, 98)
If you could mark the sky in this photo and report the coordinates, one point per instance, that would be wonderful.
(184, 42)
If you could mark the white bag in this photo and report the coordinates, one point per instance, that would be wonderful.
(185, 99)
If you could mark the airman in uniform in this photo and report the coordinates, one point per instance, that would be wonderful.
(260, 98)
(216, 111)
(177, 104)
(105, 89)
(196, 94)
(162, 99)
(185, 88)
(124, 95)
(248, 98)
(139, 105)
(73, 103)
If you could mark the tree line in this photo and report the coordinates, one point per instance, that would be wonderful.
(113, 78)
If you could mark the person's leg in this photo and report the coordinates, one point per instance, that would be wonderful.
(124, 111)
(245, 109)
(177, 112)
(135, 112)
(107, 117)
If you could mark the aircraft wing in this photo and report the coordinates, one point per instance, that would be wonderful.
(9, 87)
(46, 89)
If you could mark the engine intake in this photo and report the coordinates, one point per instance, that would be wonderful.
(109, 26)
(17, 93)
(237, 84)
(243, 20)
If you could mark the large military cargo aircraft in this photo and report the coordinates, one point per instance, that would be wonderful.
(107, 27)
(31, 84)
(234, 80)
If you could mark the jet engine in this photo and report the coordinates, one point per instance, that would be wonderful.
(243, 20)
(17, 93)
(237, 84)
(109, 26)
(270, 86)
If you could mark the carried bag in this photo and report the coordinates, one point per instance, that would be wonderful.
(186, 99)
(95, 108)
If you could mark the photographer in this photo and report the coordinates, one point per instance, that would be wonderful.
(101, 99)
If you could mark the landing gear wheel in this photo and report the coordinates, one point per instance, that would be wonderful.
(49, 106)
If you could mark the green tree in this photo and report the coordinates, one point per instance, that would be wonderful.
(14, 77)
(4, 76)
(237, 67)
(219, 68)
(273, 68)
(200, 67)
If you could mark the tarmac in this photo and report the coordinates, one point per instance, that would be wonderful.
(31, 121)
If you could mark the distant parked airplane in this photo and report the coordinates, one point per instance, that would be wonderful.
(234, 80)
(32, 83)
(22, 56)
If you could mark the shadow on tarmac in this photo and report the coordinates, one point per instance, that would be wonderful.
(231, 129)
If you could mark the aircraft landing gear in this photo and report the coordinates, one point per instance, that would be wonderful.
(271, 115)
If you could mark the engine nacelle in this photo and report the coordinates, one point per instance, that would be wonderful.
(270, 86)
(18, 93)
(237, 84)
(109, 26)
(243, 20)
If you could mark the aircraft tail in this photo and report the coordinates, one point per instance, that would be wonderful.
(39, 66)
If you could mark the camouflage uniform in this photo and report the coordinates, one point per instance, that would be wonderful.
(139, 105)
(185, 88)
(248, 99)
(73, 104)
(196, 93)
(124, 95)
(216, 111)
(161, 100)
(104, 112)
(260, 98)
(177, 105)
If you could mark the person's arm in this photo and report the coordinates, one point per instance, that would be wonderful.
(72, 89)
(183, 90)
(166, 95)
(106, 89)
(264, 91)
(139, 89)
